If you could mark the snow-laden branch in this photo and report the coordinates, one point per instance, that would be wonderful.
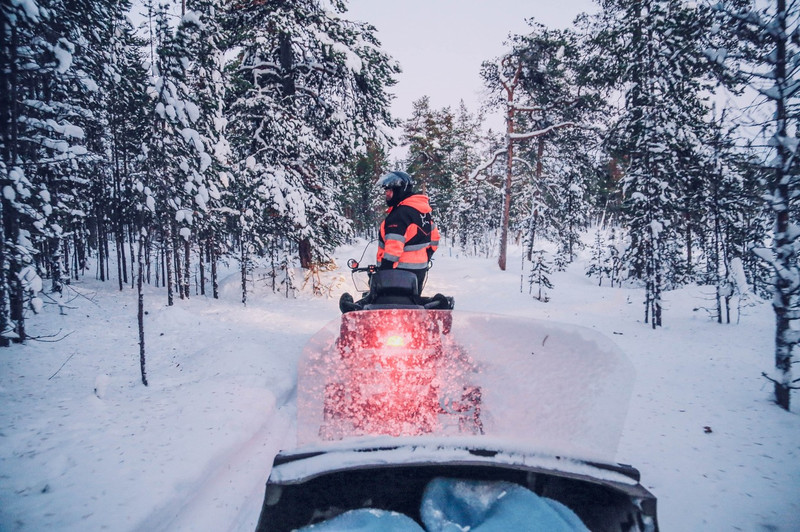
(558, 104)
(776, 381)
(790, 276)
(527, 109)
(523, 161)
(540, 132)
(485, 166)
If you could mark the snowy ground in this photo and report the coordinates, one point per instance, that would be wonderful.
(85, 446)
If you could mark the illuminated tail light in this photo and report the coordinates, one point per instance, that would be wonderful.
(395, 340)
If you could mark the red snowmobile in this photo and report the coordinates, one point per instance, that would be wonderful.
(409, 410)
(394, 370)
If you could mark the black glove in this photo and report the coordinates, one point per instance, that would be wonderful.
(386, 265)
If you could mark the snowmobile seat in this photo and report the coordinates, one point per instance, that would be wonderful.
(394, 282)
(393, 289)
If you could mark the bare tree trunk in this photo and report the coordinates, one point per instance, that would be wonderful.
(148, 260)
(168, 262)
(131, 239)
(689, 244)
(123, 257)
(202, 266)
(212, 250)
(79, 261)
(120, 263)
(178, 272)
(140, 306)
(785, 300)
(108, 255)
(101, 257)
(304, 249)
(75, 265)
(67, 273)
(55, 265)
(159, 257)
(6, 323)
(244, 259)
(501, 261)
(187, 250)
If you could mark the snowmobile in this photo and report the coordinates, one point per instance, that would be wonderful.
(390, 358)
(413, 416)
(396, 288)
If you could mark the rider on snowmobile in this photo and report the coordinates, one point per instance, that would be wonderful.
(408, 238)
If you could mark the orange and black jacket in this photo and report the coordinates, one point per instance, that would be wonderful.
(408, 235)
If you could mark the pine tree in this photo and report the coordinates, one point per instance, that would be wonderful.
(539, 275)
(361, 204)
(201, 35)
(124, 86)
(40, 141)
(769, 61)
(177, 156)
(479, 197)
(598, 259)
(308, 91)
(653, 50)
(471, 205)
(537, 85)
(430, 136)
(726, 205)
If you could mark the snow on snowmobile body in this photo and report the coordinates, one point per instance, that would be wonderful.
(390, 399)
(550, 387)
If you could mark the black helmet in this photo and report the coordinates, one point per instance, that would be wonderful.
(397, 180)
(401, 183)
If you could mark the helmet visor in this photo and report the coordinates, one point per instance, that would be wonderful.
(395, 179)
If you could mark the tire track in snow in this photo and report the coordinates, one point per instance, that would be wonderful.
(239, 475)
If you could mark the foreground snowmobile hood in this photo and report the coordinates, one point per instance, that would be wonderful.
(298, 467)
(531, 385)
(401, 409)
(306, 488)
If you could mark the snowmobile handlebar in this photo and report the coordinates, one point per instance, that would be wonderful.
(438, 301)
(355, 267)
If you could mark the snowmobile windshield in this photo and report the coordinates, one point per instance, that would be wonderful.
(489, 381)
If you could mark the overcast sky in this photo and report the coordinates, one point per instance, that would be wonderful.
(440, 44)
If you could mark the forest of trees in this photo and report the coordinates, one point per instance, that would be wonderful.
(252, 131)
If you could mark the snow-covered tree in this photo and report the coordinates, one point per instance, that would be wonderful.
(653, 50)
(473, 202)
(124, 89)
(309, 89)
(539, 275)
(430, 136)
(598, 259)
(200, 35)
(729, 201)
(769, 61)
(40, 140)
(536, 85)
(179, 156)
(361, 203)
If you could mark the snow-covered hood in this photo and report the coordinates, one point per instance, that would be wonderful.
(546, 388)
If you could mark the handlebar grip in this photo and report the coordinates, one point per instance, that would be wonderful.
(371, 268)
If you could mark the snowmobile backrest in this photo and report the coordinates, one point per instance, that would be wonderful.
(394, 282)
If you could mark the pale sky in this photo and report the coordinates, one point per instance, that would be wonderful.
(440, 44)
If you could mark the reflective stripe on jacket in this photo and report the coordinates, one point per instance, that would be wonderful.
(407, 233)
